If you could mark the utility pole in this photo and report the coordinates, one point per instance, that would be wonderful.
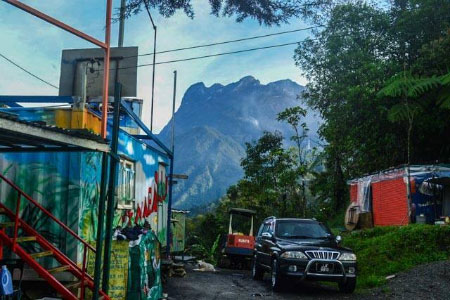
(169, 208)
(153, 76)
(154, 63)
(173, 108)
(121, 23)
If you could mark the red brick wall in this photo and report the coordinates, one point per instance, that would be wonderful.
(353, 192)
(390, 203)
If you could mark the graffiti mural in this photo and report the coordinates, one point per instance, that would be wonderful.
(68, 184)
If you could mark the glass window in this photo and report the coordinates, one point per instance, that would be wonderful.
(301, 229)
(126, 184)
(267, 228)
(260, 230)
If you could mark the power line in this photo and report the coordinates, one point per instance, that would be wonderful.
(171, 61)
(212, 55)
(227, 42)
(28, 72)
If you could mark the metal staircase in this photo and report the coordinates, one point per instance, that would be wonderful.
(73, 290)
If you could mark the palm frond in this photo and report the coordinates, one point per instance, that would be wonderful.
(403, 112)
(406, 85)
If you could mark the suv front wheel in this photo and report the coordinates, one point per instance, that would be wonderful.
(348, 286)
(276, 278)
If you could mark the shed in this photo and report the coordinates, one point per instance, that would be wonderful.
(385, 194)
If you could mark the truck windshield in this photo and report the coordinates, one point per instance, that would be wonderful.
(301, 229)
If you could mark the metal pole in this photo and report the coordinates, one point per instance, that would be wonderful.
(106, 68)
(111, 188)
(173, 108)
(121, 23)
(153, 78)
(154, 57)
(101, 216)
(169, 208)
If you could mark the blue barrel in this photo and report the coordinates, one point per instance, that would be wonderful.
(6, 286)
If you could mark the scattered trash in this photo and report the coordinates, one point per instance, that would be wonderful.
(390, 277)
(177, 270)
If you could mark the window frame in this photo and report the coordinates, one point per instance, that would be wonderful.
(126, 164)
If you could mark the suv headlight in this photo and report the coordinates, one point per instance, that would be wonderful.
(294, 254)
(347, 256)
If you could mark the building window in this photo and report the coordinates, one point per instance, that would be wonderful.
(126, 184)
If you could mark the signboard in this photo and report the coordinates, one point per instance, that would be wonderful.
(118, 278)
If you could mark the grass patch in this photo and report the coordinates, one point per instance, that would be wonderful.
(384, 251)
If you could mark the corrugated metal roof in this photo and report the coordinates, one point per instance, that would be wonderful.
(20, 135)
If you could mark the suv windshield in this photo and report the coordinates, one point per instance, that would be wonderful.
(301, 229)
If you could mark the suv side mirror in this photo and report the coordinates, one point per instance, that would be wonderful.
(338, 239)
(266, 236)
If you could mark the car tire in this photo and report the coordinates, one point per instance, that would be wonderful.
(348, 286)
(276, 278)
(257, 271)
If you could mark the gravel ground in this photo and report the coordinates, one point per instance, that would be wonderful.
(430, 281)
(236, 285)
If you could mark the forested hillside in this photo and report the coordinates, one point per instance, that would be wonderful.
(378, 73)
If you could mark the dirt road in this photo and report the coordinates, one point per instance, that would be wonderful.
(430, 281)
(236, 285)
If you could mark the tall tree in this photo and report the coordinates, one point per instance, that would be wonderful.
(348, 62)
(267, 12)
(294, 116)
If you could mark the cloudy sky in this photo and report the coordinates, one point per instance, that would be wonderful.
(37, 46)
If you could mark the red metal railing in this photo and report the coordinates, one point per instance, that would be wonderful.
(86, 246)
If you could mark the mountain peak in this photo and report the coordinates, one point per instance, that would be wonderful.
(248, 80)
(212, 126)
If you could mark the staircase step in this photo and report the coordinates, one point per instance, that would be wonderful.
(59, 269)
(25, 239)
(7, 224)
(41, 254)
(73, 285)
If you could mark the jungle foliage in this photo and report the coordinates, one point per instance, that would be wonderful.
(267, 12)
(379, 75)
(384, 251)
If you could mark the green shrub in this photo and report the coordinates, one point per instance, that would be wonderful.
(384, 251)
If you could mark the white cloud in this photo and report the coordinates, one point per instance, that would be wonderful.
(38, 46)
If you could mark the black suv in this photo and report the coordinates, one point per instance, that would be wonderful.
(304, 249)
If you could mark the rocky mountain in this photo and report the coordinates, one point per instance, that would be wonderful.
(211, 128)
